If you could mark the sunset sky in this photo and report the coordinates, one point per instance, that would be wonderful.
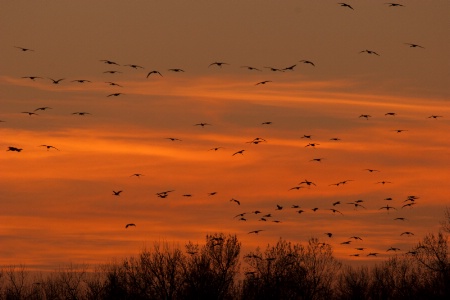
(57, 205)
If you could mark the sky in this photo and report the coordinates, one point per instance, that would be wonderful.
(305, 124)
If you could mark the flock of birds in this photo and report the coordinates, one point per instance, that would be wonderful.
(255, 214)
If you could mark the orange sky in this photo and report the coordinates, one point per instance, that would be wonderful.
(58, 206)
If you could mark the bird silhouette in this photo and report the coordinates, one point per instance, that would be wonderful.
(345, 5)
(365, 116)
(113, 83)
(307, 182)
(307, 62)
(387, 207)
(176, 70)
(263, 82)
(111, 72)
(31, 77)
(238, 152)
(369, 52)
(393, 249)
(266, 123)
(173, 139)
(250, 68)
(14, 149)
(235, 200)
(408, 233)
(434, 117)
(81, 80)
(56, 81)
(30, 113)
(329, 234)
(49, 147)
(255, 231)
(393, 4)
(130, 225)
(335, 211)
(116, 193)
(81, 113)
(290, 68)
(414, 45)
(109, 62)
(154, 72)
(390, 114)
(202, 124)
(134, 66)
(373, 254)
(114, 95)
(138, 175)
(218, 63)
(42, 108)
(23, 49)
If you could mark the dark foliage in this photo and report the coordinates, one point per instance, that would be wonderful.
(213, 271)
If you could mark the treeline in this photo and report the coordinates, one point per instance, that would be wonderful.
(217, 270)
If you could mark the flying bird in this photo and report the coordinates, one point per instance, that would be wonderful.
(176, 70)
(414, 45)
(138, 175)
(329, 234)
(81, 80)
(218, 63)
(42, 108)
(56, 81)
(250, 68)
(30, 113)
(307, 182)
(130, 224)
(369, 52)
(135, 66)
(394, 4)
(49, 147)
(345, 5)
(173, 139)
(239, 152)
(112, 72)
(263, 82)
(307, 62)
(31, 77)
(81, 113)
(390, 114)
(255, 231)
(336, 211)
(11, 148)
(235, 200)
(202, 124)
(387, 207)
(114, 95)
(113, 83)
(24, 49)
(154, 72)
(291, 68)
(116, 193)
(109, 62)
(408, 233)
(365, 116)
